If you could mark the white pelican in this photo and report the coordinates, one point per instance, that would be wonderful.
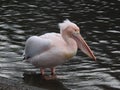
(52, 49)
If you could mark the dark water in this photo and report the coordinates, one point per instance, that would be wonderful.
(99, 21)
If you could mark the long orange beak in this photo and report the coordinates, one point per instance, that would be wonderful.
(83, 46)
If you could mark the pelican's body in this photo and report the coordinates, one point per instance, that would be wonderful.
(52, 49)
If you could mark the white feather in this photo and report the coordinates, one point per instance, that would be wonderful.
(36, 45)
(45, 50)
(65, 24)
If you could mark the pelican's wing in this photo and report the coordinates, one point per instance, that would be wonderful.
(36, 45)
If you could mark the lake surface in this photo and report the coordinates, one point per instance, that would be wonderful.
(99, 21)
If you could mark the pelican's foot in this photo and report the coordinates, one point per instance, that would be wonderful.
(51, 77)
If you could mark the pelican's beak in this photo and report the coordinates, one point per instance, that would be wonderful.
(83, 45)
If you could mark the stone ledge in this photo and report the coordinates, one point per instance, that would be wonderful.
(7, 84)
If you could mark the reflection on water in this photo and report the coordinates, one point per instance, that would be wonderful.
(99, 23)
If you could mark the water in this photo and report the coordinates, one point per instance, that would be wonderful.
(99, 22)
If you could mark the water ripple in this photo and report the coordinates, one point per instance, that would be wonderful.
(99, 23)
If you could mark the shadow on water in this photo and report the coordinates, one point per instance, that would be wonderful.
(39, 81)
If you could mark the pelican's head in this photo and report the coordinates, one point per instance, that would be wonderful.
(68, 28)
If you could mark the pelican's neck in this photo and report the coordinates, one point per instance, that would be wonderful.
(70, 42)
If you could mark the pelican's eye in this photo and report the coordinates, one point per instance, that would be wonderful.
(75, 30)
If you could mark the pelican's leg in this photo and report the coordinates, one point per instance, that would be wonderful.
(52, 71)
(42, 71)
(52, 76)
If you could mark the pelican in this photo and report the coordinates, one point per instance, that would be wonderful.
(52, 49)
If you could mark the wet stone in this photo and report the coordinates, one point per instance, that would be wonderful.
(7, 84)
